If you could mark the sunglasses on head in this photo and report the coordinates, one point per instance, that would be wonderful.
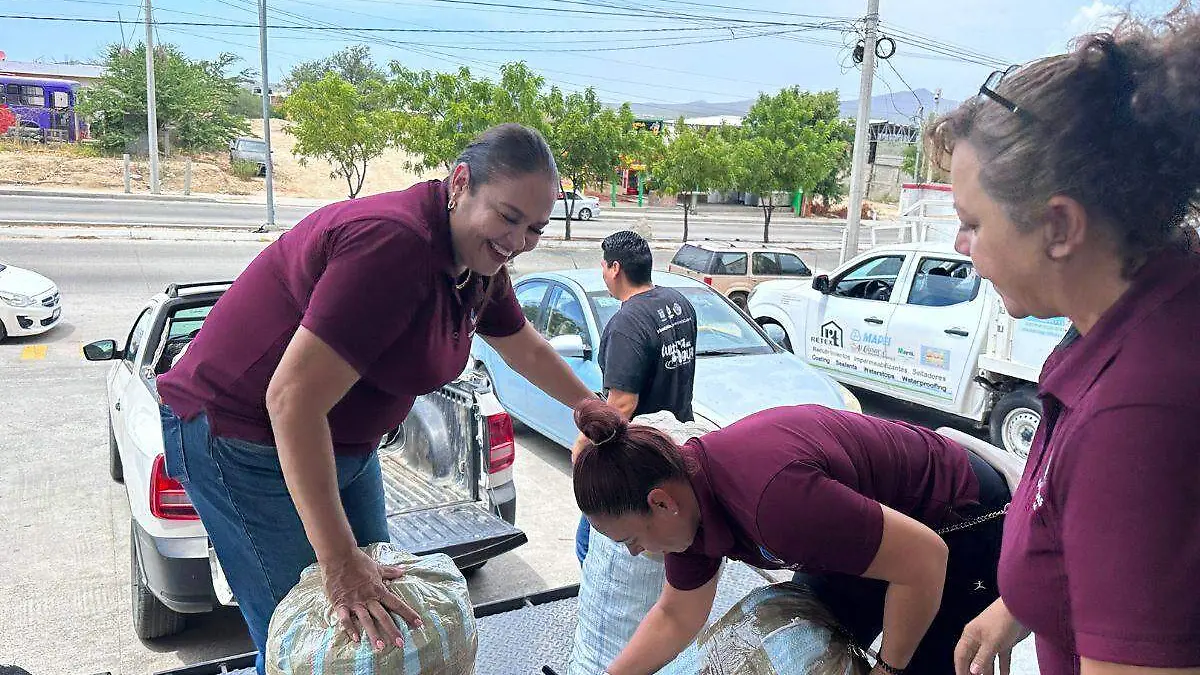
(990, 89)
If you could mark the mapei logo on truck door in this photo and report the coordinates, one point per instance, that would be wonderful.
(830, 336)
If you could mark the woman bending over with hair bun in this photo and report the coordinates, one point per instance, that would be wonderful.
(849, 502)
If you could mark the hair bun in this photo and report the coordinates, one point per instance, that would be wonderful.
(599, 421)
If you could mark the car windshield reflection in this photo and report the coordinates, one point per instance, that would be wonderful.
(721, 331)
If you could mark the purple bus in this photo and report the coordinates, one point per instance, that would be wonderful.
(45, 107)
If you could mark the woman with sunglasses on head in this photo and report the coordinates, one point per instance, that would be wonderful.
(1074, 177)
(860, 508)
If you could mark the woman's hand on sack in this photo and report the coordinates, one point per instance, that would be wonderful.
(354, 585)
(992, 634)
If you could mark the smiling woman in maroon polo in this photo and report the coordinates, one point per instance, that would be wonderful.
(320, 347)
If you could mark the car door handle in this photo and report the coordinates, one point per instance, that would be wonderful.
(874, 320)
(956, 331)
(118, 405)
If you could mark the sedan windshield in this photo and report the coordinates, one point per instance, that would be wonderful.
(721, 331)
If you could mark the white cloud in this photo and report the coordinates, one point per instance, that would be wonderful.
(1093, 18)
(1096, 17)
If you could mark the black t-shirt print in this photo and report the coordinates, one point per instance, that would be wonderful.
(649, 349)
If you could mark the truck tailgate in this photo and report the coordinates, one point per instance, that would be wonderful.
(522, 635)
(431, 471)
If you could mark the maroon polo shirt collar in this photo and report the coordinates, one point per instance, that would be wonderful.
(1076, 369)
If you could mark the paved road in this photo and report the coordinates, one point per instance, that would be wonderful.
(64, 578)
(720, 223)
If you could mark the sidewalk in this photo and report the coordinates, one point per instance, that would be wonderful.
(243, 234)
(705, 212)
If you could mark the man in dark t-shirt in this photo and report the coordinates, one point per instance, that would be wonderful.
(648, 349)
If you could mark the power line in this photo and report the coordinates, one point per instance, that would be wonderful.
(379, 29)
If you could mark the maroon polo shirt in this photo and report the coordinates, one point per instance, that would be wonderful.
(800, 488)
(372, 278)
(1102, 541)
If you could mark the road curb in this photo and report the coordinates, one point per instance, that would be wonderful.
(231, 234)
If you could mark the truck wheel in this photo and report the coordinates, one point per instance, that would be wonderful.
(1015, 420)
(151, 618)
(739, 298)
(114, 456)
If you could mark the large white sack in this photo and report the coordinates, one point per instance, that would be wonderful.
(616, 589)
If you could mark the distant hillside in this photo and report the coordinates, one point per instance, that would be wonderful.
(899, 107)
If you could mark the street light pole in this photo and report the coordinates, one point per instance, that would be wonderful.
(266, 112)
(862, 132)
(151, 107)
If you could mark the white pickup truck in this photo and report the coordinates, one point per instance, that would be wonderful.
(914, 322)
(447, 470)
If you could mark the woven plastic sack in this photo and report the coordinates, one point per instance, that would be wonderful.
(775, 630)
(305, 638)
(616, 589)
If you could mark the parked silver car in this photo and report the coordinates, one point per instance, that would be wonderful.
(248, 149)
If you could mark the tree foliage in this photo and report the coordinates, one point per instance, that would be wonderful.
(440, 113)
(333, 120)
(588, 138)
(353, 64)
(693, 162)
(195, 98)
(792, 140)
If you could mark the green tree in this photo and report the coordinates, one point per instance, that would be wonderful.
(353, 64)
(588, 137)
(791, 140)
(195, 98)
(442, 112)
(333, 120)
(692, 162)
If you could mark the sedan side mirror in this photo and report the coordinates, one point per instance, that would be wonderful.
(102, 350)
(570, 347)
(777, 334)
(821, 284)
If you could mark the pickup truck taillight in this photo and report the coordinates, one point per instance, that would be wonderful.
(168, 501)
(502, 447)
(708, 280)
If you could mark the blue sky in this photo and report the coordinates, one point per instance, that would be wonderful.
(730, 69)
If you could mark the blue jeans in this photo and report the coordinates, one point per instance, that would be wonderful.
(582, 536)
(238, 489)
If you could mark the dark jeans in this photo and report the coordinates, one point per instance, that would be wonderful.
(238, 489)
(857, 603)
(583, 534)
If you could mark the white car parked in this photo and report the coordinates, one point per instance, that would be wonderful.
(583, 207)
(29, 302)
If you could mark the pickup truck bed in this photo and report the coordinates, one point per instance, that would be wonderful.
(520, 635)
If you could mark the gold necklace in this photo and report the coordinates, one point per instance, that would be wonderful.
(459, 286)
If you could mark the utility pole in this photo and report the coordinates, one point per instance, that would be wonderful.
(151, 106)
(917, 172)
(937, 110)
(862, 132)
(266, 110)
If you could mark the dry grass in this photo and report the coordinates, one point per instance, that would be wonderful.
(79, 167)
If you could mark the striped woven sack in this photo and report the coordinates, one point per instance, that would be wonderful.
(304, 637)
